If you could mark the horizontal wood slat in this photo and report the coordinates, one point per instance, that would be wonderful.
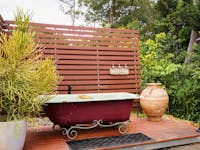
(82, 91)
(87, 41)
(133, 72)
(43, 25)
(81, 62)
(118, 77)
(84, 56)
(77, 72)
(76, 67)
(129, 58)
(79, 87)
(79, 57)
(126, 86)
(119, 90)
(85, 38)
(89, 52)
(77, 92)
(86, 47)
(118, 53)
(87, 82)
(68, 52)
(75, 62)
(79, 77)
(106, 67)
(121, 62)
(119, 81)
(109, 58)
(97, 33)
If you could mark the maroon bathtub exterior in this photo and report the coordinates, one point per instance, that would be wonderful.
(67, 114)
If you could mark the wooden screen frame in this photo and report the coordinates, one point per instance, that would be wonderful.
(84, 56)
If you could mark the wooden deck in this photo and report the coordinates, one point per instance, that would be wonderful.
(166, 133)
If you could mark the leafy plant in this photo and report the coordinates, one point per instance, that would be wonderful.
(25, 73)
(184, 95)
(156, 66)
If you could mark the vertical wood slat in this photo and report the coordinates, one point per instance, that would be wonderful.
(84, 56)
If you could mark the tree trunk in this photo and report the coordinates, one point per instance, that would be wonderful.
(193, 37)
(73, 15)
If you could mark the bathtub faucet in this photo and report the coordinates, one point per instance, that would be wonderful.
(69, 89)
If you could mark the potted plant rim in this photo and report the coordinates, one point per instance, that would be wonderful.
(24, 75)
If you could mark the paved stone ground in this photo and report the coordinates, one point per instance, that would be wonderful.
(195, 146)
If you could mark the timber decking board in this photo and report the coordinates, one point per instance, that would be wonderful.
(44, 138)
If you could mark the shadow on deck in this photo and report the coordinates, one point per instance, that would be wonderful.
(166, 133)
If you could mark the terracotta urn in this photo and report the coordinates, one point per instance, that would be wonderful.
(154, 101)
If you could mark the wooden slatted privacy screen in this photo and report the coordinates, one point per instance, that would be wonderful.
(1, 24)
(84, 56)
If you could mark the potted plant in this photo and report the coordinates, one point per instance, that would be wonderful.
(157, 68)
(24, 75)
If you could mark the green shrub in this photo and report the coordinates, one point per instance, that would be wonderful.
(185, 96)
(24, 73)
(156, 66)
(181, 81)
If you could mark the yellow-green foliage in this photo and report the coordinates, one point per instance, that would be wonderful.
(24, 73)
(156, 65)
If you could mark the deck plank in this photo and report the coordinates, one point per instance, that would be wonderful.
(44, 138)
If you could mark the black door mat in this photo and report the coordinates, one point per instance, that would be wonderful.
(104, 142)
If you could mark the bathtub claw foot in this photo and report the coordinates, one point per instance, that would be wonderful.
(64, 131)
(72, 133)
(123, 127)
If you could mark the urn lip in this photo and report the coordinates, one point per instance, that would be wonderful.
(156, 83)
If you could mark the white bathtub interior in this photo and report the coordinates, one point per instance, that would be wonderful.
(69, 98)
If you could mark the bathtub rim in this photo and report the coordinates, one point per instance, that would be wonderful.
(63, 98)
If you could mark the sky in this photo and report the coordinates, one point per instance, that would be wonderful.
(44, 11)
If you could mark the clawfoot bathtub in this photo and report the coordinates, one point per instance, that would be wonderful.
(74, 111)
